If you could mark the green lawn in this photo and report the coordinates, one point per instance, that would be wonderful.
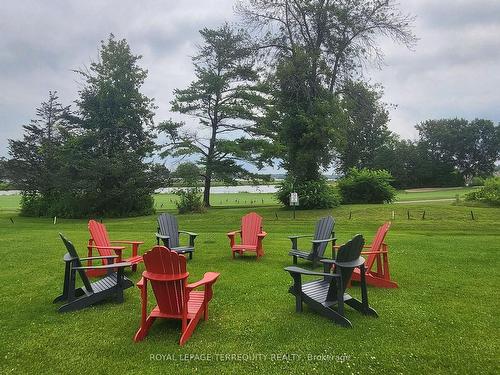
(442, 319)
(9, 203)
(435, 194)
(167, 201)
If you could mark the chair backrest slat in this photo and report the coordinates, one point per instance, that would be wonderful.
(77, 262)
(100, 236)
(169, 227)
(376, 245)
(349, 251)
(251, 225)
(170, 295)
(323, 231)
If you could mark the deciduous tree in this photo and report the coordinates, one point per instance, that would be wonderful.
(366, 126)
(315, 46)
(471, 147)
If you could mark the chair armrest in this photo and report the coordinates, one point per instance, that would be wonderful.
(192, 236)
(114, 265)
(355, 263)
(208, 278)
(188, 233)
(103, 257)
(262, 234)
(294, 240)
(108, 247)
(327, 261)
(233, 233)
(128, 242)
(158, 235)
(300, 236)
(321, 241)
(302, 271)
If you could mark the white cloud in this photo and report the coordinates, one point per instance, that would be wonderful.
(455, 70)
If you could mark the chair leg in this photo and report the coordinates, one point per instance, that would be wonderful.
(358, 306)
(142, 332)
(364, 292)
(119, 295)
(64, 294)
(186, 334)
(298, 303)
(340, 294)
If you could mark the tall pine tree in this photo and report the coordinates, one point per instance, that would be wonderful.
(35, 159)
(106, 158)
(222, 98)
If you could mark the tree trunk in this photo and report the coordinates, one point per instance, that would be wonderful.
(206, 189)
(211, 152)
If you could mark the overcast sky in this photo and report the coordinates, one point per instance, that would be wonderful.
(454, 71)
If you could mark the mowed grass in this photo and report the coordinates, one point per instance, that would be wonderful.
(434, 194)
(442, 319)
(167, 201)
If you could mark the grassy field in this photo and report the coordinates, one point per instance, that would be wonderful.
(167, 201)
(9, 203)
(442, 319)
(433, 194)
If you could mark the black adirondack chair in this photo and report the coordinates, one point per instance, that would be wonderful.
(327, 295)
(112, 285)
(168, 232)
(322, 235)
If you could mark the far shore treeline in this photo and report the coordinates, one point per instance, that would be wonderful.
(264, 94)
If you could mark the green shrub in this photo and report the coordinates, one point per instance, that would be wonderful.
(312, 194)
(33, 205)
(367, 186)
(6, 186)
(76, 205)
(190, 201)
(477, 181)
(489, 194)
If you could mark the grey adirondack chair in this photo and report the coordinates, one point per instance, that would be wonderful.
(327, 295)
(112, 285)
(322, 235)
(168, 233)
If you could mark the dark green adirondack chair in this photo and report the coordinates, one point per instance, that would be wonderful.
(112, 285)
(327, 295)
(168, 232)
(322, 235)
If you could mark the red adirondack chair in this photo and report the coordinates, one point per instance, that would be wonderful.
(251, 234)
(166, 270)
(99, 239)
(377, 256)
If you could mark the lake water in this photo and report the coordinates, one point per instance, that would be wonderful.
(231, 189)
(10, 192)
(213, 190)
